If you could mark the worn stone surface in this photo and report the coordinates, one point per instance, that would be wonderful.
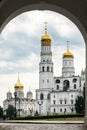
(42, 127)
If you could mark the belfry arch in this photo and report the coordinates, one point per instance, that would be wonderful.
(75, 10)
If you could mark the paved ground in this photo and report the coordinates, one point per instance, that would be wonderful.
(42, 122)
(42, 125)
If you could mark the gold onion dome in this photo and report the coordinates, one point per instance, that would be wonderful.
(18, 84)
(46, 38)
(68, 54)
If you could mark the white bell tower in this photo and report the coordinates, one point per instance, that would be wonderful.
(46, 64)
(68, 69)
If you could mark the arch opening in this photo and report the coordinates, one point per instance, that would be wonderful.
(64, 12)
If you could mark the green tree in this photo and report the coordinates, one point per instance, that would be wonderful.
(1, 112)
(10, 112)
(79, 105)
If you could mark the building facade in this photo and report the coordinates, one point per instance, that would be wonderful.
(24, 105)
(57, 94)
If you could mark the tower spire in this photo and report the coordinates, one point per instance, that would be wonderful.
(29, 88)
(45, 27)
(18, 76)
(9, 88)
(67, 45)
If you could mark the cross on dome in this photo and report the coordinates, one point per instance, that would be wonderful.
(46, 37)
(68, 54)
(67, 45)
(18, 76)
(45, 27)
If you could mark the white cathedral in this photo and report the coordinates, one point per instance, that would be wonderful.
(24, 105)
(55, 94)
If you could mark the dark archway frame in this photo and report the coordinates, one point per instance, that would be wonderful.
(75, 10)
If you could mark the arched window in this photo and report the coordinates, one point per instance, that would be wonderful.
(43, 69)
(65, 100)
(64, 110)
(66, 85)
(48, 96)
(54, 101)
(61, 101)
(47, 68)
(57, 81)
(41, 96)
(57, 87)
(74, 86)
(74, 80)
(71, 101)
(60, 109)
(54, 110)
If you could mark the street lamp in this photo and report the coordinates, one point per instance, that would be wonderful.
(40, 103)
(31, 111)
(15, 94)
(19, 106)
(71, 108)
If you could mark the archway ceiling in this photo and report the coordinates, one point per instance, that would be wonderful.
(76, 7)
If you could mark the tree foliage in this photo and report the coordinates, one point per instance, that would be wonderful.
(79, 105)
(1, 112)
(10, 112)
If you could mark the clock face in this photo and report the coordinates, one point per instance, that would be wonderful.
(66, 85)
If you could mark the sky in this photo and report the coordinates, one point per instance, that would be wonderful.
(20, 48)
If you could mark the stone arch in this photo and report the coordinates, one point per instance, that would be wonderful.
(48, 96)
(19, 8)
(41, 96)
(68, 9)
(57, 81)
(66, 85)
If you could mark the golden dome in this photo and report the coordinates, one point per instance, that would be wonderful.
(67, 54)
(18, 84)
(46, 38)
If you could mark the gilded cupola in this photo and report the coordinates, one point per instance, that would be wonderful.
(68, 54)
(18, 85)
(45, 38)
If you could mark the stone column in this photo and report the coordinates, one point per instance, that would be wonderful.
(85, 119)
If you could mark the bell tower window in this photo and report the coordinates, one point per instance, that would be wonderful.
(41, 96)
(57, 87)
(43, 69)
(47, 68)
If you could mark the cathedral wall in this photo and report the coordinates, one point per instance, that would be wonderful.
(46, 80)
(63, 100)
(72, 85)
